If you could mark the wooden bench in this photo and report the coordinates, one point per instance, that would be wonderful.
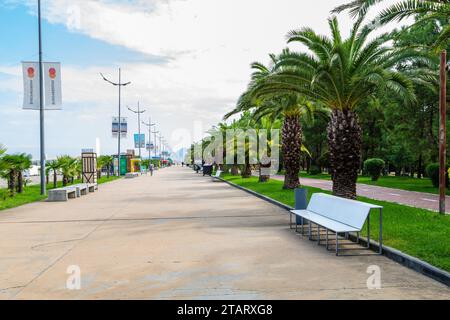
(62, 194)
(216, 176)
(338, 215)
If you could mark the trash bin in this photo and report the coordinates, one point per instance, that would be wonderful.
(207, 170)
(301, 202)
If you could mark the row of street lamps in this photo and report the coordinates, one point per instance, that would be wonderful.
(162, 141)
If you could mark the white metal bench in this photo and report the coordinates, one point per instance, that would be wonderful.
(62, 194)
(216, 176)
(339, 215)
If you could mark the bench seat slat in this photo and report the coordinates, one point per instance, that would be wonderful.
(350, 212)
(324, 221)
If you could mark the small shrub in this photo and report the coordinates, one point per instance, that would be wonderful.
(374, 167)
(432, 172)
(314, 170)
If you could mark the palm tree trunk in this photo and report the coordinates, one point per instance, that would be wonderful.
(344, 139)
(20, 181)
(291, 148)
(65, 180)
(109, 168)
(246, 171)
(263, 177)
(55, 179)
(12, 183)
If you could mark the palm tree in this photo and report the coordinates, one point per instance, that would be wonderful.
(69, 168)
(230, 145)
(424, 10)
(108, 162)
(266, 124)
(288, 105)
(2, 152)
(23, 163)
(11, 166)
(100, 164)
(54, 166)
(340, 74)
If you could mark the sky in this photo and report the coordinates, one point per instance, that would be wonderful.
(188, 61)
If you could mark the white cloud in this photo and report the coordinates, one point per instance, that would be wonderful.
(210, 45)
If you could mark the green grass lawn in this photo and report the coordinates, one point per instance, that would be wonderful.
(32, 194)
(418, 232)
(403, 183)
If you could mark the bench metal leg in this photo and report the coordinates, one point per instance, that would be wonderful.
(318, 235)
(309, 230)
(290, 220)
(296, 225)
(337, 244)
(380, 249)
(301, 220)
(326, 239)
(368, 231)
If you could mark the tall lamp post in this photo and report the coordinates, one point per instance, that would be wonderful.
(41, 105)
(138, 111)
(149, 125)
(442, 130)
(154, 147)
(160, 148)
(120, 85)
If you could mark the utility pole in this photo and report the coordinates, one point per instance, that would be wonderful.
(160, 149)
(120, 85)
(41, 105)
(139, 111)
(154, 147)
(442, 131)
(149, 125)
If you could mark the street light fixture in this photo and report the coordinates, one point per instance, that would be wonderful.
(154, 135)
(138, 111)
(120, 85)
(149, 125)
(41, 105)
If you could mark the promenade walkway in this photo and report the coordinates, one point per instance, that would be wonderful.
(178, 235)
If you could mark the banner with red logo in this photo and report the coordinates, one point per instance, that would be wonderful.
(52, 84)
(31, 85)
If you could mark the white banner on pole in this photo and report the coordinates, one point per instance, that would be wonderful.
(52, 79)
(31, 85)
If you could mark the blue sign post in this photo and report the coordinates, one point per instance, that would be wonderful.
(139, 143)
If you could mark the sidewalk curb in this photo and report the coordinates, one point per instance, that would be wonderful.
(391, 253)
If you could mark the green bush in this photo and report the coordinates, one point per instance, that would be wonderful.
(432, 172)
(315, 170)
(374, 167)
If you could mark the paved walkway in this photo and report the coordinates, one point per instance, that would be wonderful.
(410, 198)
(180, 235)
